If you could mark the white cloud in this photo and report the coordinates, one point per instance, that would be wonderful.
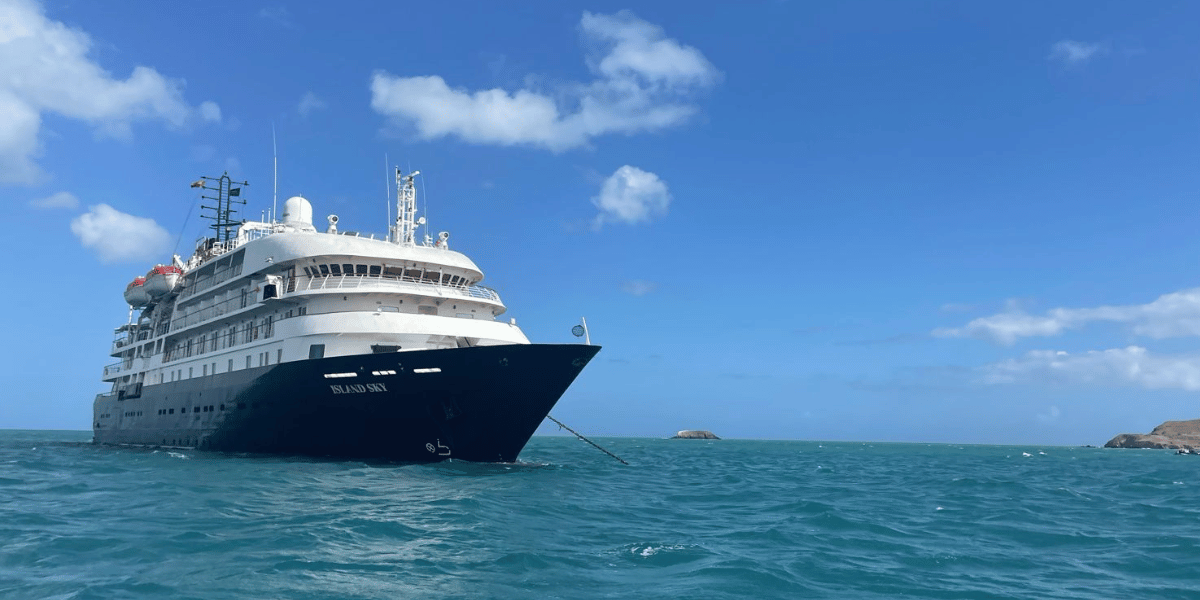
(117, 237)
(1133, 365)
(46, 69)
(278, 15)
(1171, 315)
(631, 195)
(59, 200)
(1051, 415)
(308, 103)
(1072, 53)
(644, 83)
(638, 287)
(210, 112)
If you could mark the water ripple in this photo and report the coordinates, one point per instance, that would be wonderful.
(727, 519)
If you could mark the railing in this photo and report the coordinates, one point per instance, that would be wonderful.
(337, 282)
(112, 370)
(125, 339)
(229, 246)
(345, 282)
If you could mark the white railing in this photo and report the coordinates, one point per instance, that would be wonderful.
(184, 320)
(228, 246)
(112, 370)
(347, 282)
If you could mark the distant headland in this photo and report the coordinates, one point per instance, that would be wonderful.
(1171, 434)
(693, 434)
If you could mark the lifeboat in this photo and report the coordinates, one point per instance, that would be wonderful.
(162, 280)
(135, 293)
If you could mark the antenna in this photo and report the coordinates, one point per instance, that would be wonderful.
(387, 188)
(425, 212)
(225, 196)
(275, 175)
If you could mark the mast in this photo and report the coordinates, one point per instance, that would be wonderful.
(221, 191)
(405, 230)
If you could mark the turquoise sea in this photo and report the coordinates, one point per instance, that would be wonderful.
(687, 518)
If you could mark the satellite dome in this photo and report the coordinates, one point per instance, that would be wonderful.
(297, 212)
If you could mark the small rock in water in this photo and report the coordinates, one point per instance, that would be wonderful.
(694, 434)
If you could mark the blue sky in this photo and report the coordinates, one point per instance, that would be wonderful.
(941, 221)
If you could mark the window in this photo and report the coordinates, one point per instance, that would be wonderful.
(348, 269)
(324, 270)
(205, 372)
(374, 270)
(316, 351)
(279, 356)
(231, 365)
(335, 269)
(247, 361)
(189, 372)
(425, 309)
(360, 269)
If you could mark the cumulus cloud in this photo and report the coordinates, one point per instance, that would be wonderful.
(59, 200)
(308, 103)
(1133, 365)
(47, 70)
(1171, 315)
(210, 112)
(638, 287)
(1072, 53)
(118, 237)
(631, 195)
(644, 82)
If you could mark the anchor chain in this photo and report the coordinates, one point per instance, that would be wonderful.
(580, 436)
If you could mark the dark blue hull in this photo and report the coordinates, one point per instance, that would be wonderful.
(478, 404)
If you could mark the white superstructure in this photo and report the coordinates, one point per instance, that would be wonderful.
(282, 291)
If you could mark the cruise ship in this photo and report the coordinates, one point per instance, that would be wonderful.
(275, 337)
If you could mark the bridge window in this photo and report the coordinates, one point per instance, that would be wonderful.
(335, 269)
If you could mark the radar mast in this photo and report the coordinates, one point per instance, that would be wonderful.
(221, 190)
(404, 232)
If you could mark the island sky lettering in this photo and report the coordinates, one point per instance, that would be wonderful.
(358, 388)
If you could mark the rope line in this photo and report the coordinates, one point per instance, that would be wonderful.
(580, 436)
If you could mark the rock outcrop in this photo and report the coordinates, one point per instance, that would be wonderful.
(692, 434)
(1171, 435)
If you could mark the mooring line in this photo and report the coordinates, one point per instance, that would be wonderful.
(578, 435)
